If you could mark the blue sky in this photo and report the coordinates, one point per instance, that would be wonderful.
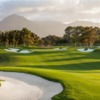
(58, 10)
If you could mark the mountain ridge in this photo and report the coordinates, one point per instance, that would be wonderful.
(41, 28)
(84, 23)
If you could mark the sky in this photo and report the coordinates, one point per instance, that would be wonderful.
(65, 11)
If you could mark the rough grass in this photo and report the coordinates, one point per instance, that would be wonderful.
(78, 72)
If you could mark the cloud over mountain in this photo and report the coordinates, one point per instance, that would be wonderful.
(58, 10)
(41, 28)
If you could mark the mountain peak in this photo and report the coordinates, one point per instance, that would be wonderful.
(41, 28)
(14, 17)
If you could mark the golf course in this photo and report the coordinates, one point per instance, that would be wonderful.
(49, 49)
(78, 72)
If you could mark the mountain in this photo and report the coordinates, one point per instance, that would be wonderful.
(41, 28)
(84, 23)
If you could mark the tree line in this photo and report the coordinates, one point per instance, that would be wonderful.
(73, 36)
(82, 35)
(18, 37)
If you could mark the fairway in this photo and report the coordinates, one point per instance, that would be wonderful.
(78, 72)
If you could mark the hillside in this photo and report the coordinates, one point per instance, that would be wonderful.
(84, 23)
(41, 28)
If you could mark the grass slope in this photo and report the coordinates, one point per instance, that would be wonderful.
(78, 72)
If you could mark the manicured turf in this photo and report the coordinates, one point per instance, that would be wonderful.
(78, 72)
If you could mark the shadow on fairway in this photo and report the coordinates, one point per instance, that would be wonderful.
(80, 66)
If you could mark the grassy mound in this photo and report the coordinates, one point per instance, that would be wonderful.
(78, 72)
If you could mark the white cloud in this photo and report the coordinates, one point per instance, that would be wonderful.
(94, 20)
(77, 1)
(95, 10)
(59, 10)
(24, 9)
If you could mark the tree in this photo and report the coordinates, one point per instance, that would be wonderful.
(89, 36)
(25, 33)
(28, 37)
(68, 32)
(7, 38)
(79, 34)
(51, 40)
(73, 34)
(93, 37)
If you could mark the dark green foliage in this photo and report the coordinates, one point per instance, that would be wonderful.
(16, 37)
(52, 40)
(82, 35)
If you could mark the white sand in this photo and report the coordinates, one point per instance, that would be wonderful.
(20, 86)
(98, 46)
(88, 50)
(60, 49)
(24, 51)
(12, 50)
(16, 50)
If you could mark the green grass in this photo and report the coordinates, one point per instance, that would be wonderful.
(78, 72)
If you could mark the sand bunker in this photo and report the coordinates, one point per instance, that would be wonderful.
(24, 51)
(98, 46)
(60, 49)
(17, 50)
(88, 50)
(12, 50)
(13, 89)
(20, 86)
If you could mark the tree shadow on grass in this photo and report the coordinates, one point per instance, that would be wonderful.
(72, 56)
(65, 59)
(79, 66)
(77, 56)
(7, 58)
(64, 54)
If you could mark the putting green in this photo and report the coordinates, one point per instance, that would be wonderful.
(79, 72)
